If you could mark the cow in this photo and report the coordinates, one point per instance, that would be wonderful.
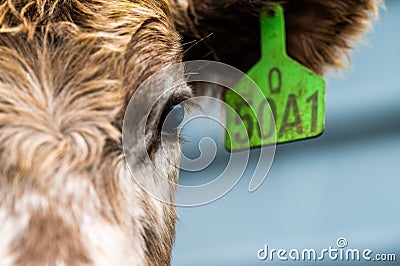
(68, 69)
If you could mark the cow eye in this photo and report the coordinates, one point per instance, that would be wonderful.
(171, 118)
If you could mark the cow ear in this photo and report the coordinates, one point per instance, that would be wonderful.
(319, 32)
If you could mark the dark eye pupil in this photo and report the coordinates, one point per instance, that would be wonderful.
(172, 118)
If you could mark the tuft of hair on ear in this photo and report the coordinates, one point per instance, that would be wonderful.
(319, 32)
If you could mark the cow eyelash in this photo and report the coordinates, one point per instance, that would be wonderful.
(188, 106)
(174, 113)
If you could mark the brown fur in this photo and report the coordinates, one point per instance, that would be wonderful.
(319, 32)
(67, 72)
(58, 243)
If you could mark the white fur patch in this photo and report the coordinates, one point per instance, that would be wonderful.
(10, 227)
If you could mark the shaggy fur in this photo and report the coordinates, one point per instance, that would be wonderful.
(319, 33)
(67, 71)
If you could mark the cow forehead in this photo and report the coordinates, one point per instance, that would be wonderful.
(71, 73)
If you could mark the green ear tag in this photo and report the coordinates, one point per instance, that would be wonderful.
(295, 94)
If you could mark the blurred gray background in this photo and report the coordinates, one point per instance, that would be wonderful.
(343, 184)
